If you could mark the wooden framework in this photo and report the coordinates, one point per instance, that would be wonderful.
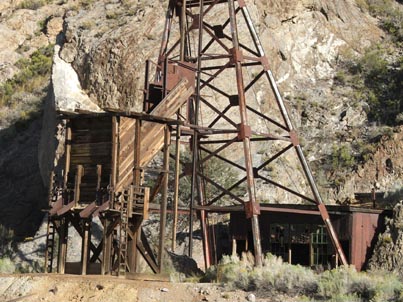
(187, 94)
(106, 156)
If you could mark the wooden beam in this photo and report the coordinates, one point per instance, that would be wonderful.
(79, 175)
(164, 199)
(67, 154)
(88, 210)
(66, 208)
(56, 206)
(84, 248)
(101, 208)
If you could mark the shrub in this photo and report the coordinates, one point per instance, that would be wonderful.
(34, 73)
(342, 157)
(365, 150)
(391, 17)
(275, 277)
(33, 4)
(376, 78)
(7, 266)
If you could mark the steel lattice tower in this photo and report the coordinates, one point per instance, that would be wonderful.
(215, 46)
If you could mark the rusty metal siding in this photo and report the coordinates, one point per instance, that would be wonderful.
(363, 231)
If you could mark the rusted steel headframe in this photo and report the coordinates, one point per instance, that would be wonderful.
(208, 45)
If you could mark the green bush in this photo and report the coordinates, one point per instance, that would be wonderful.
(376, 78)
(391, 17)
(7, 266)
(275, 277)
(342, 157)
(33, 4)
(34, 73)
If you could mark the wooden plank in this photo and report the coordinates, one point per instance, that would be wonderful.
(90, 160)
(146, 251)
(101, 208)
(91, 123)
(127, 122)
(152, 134)
(127, 154)
(126, 138)
(89, 146)
(77, 183)
(85, 252)
(124, 181)
(68, 154)
(56, 206)
(137, 180)
(88, 210)
(66, 208)
(115, 146)
(126, 166)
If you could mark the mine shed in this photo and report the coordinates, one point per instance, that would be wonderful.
(297, 234)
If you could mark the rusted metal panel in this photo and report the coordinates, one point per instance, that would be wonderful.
(363, 231)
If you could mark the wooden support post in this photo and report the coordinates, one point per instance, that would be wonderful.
(233, 247)
(107, 246)
(79, 175)
(115, 151)
(206, 237)
(137, 154)
(289, 244)
(85, 252)
(67, 154)
(183, 30)
(163, 209)
(62, 253)
(135, 223)
(133, 237)
(176, 187)
(99, 179)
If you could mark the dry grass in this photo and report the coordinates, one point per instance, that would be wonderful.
(276, 277)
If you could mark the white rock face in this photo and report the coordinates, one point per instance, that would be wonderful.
(67, 88)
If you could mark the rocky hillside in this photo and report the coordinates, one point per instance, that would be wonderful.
(98, 60)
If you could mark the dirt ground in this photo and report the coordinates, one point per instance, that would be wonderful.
(63, 288)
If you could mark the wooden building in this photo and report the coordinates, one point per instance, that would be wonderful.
(102, 175)
(297, 234)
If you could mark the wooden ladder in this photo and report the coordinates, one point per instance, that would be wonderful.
(124, 225)
(50, 245)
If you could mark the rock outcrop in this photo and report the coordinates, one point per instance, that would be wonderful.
(388, 252)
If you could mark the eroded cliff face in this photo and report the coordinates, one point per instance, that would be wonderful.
(108, 44)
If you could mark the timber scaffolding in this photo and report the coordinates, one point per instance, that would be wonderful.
(206, 83)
